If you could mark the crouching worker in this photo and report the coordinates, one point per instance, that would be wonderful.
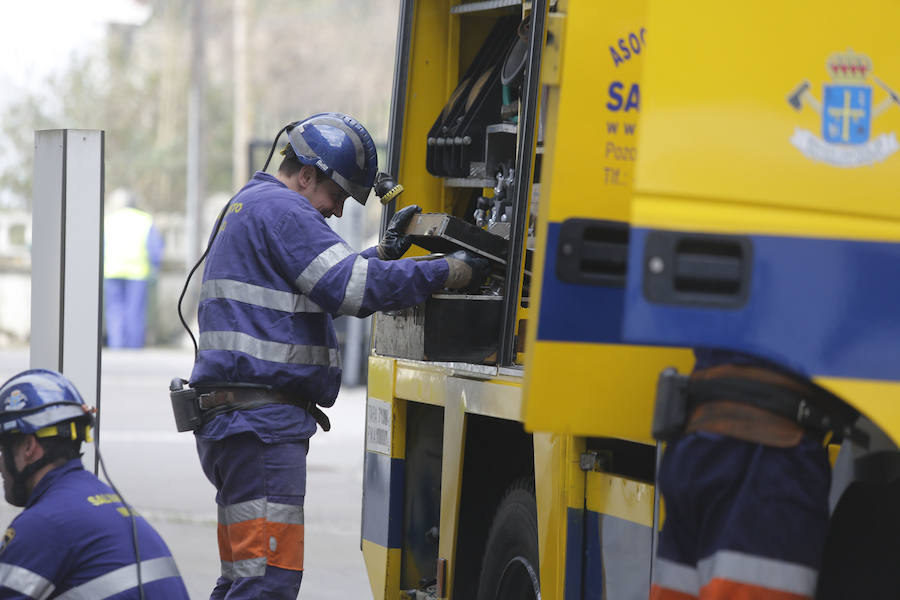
(75, 539)
(745, 478)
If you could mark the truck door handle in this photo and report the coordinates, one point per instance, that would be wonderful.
(697, 269)
(592, 252)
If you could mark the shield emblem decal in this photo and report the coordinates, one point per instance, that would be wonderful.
(847, 114)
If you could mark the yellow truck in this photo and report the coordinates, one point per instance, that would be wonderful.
(645, 177)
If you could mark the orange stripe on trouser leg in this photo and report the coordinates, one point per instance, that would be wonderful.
(661, 593)
(723, 589)
(224, 543)
(242, 540)
(285, 542)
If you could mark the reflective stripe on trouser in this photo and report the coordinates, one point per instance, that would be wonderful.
(728, 574)
(257, 533)
(743, 520)
(261, 488)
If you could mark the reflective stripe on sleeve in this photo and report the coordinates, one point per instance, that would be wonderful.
(122, 579)
(321, 264)
(356, 287)
(256, 295)
(25, 582)
(767, 573)
(271, 351)
(677, 577)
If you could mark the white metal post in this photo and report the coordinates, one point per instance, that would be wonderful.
(67, 256)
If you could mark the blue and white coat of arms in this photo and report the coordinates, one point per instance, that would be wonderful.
(847, 113)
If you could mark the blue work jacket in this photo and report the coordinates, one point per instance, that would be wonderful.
(74, 541)
(275, 277)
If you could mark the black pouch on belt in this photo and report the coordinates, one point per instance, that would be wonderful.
(185, 405)
(670, 412)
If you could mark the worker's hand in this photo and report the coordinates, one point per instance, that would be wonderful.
(395, 243)
(467, 271)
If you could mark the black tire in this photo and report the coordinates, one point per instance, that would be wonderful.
(509, 570)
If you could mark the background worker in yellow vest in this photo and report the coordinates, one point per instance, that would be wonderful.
(132, 252)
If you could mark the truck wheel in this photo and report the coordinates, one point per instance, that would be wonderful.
(509, 570)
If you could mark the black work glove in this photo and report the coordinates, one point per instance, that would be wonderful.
(467, 271)
(395, 243)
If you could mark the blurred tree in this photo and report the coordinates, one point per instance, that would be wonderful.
(304, 57)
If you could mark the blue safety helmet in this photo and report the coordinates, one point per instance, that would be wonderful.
(39, 401)
(340, 147)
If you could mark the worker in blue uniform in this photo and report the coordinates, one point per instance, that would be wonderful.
(275, 277)
(746, 482)
(75, 537)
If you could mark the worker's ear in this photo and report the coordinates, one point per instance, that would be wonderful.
(306, 177)
(31, 449)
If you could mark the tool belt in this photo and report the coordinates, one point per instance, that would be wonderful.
(749, 403)
(225, 399)
(192, 407)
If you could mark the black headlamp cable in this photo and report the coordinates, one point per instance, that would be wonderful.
(130, 509)
(215, 232)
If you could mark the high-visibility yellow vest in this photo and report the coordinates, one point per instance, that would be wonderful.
(125, 238)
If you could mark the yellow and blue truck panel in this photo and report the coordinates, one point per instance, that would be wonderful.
(782, 150)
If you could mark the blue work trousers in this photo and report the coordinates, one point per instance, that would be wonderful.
(743, 520)
(260, 495)
(126, 312)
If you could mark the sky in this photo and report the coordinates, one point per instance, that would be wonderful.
(37, 37)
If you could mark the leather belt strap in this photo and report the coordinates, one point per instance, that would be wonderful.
(230, 396)
(222, 400)
(745, 422)
(755, 374)
(758, 405)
